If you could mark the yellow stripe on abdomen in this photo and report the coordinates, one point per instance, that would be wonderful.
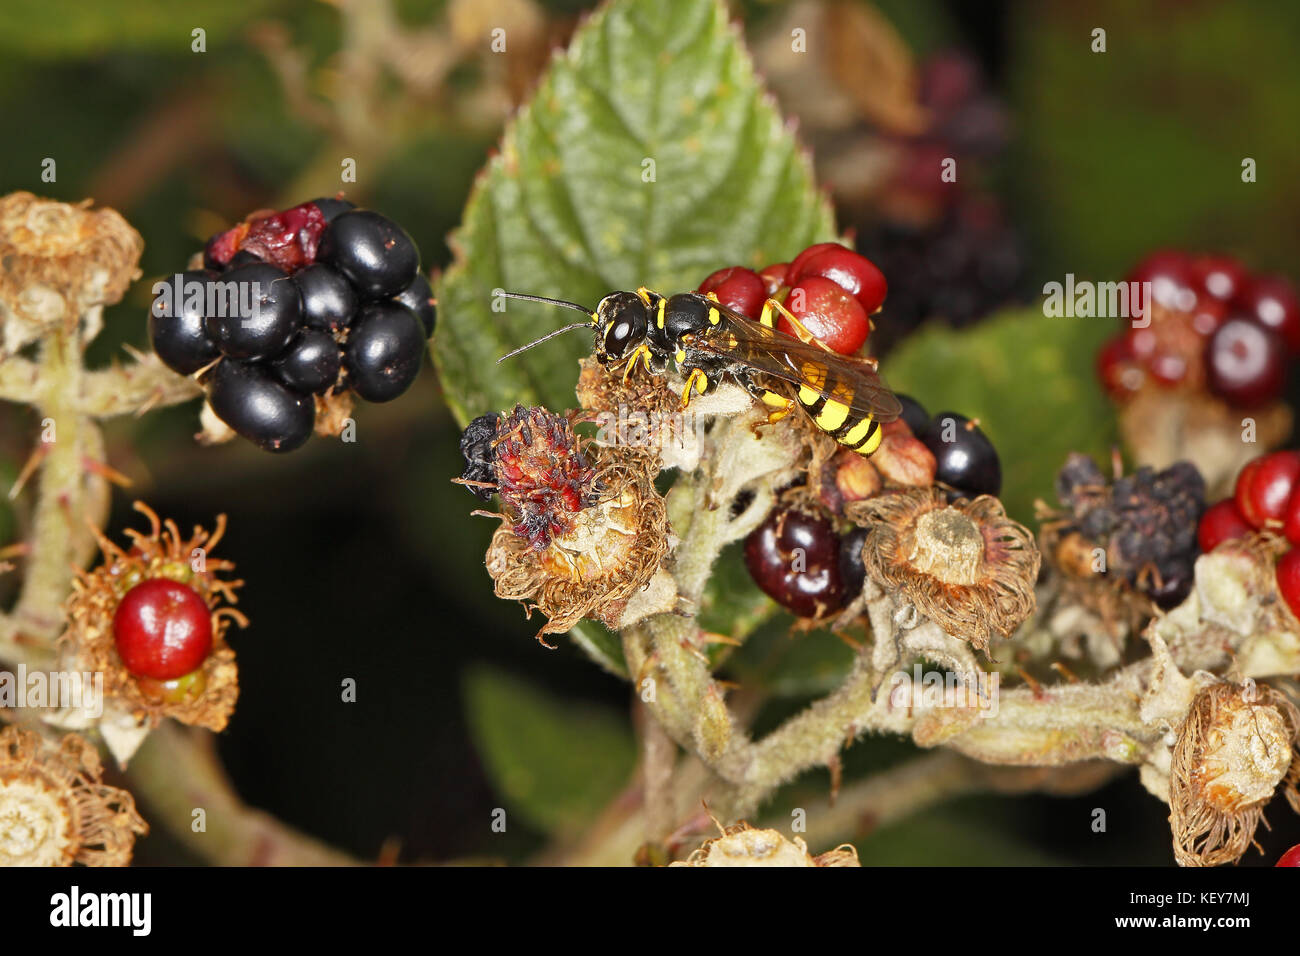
(833, 415)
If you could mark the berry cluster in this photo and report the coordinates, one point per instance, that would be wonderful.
(1144, 522)
(1212, 325)
(829, 288)
(1266, 498)
(316, 300)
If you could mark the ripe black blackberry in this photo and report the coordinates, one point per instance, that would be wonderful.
(1146, 522)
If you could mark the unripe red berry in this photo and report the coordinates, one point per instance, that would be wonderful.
(774, 276)
(1245, 363)
(1118, 368)
(163, 629)
(829, 312)
(738, 288)
(1264, 487)
(1272, 302)
(1219, 277)
(1221, 522)
(797, 262)
(1288, 579)
(1169, 272)
(1291, 857)
(855, 274)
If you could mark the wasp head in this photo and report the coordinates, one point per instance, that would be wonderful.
(622, 319)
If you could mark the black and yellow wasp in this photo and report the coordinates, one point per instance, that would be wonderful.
(705, 340)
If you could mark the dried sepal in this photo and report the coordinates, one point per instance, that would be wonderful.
(1236, 746)
(59, 260)
(88, 645)
(54, 811)
(965, 565)
(613, 550)
(743, 845)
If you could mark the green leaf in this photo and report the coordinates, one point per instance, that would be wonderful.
(554, 762)
(787, 663)
(1029, 379)
(602, 645)
(649, 155)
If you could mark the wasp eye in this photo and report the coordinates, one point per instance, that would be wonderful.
(625, 323)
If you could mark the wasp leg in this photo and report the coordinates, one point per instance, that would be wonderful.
(644, 294)
(697, 380)
(779, 406)
(640, 354)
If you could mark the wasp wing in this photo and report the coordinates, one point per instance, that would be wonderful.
(853, 381)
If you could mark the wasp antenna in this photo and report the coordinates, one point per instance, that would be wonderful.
(548, 335)
(543, 299)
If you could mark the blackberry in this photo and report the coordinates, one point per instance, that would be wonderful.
(258, 407)
(331, 208)
(311, 363)
(476, 444)
(383, 352)
(329, 302)
(965, 459)
(179, 338)
(418, 297)
(267, 314)
(914, 413)
(795, 559)
(375, 253)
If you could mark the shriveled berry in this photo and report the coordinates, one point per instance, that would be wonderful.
(1219, 277)
(286, 239)
(331, 207)
(311, 364)
(1272, 302)
(375, 253)
(1221, 522)
(162, 629)
(1290, 858)
(329, 302)
(176, 328)
(774, 276)
(914, 413)
(738, 288)
(383, 352)
(267, 314)
(965, 458)
(1264, 487)
(476, 444)
(1245, 363)
(829, 312)
(418, 297)
(855, 274)
(249, 400)
(795, 559)
(1288, 579)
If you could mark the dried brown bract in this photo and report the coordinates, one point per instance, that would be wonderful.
(612, 550)
(966, 566)
(88, 643)
(1238, 743)
(58, 260)
(54, 811)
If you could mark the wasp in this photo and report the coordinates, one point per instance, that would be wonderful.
(705, 341)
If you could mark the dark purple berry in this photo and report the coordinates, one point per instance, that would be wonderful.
(258, 407)
(383, 353)
(332, 208)
(853, 570)
(375, 253)
(260, 312)
(311, 365)
(418, 297)
(914, 413)
(176, 328)
(795, 559)
(329, 302)
(965, 459)
(244, 257)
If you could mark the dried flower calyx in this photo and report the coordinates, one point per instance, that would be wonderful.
(92, 642)
(743, 845)
(1238, 743)
(1144, 523)
(583, 528)
(964, 565)
(54, 811)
